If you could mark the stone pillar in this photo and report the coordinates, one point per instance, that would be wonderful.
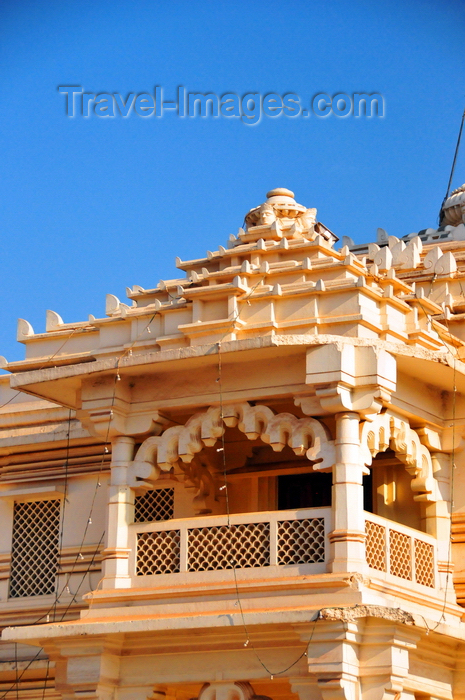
(437, 522)
(87, 669)
(348, 535)
(306, 687)
(120, 515)
(333, 664)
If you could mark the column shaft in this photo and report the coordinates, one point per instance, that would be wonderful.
(120, 516)
(348, 536)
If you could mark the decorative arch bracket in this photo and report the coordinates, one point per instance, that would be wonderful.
(241, 690)
(182, 442)
(389, 431)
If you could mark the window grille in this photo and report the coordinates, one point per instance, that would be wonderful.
(35, 549)
(157, 504)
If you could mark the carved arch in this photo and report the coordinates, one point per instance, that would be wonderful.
(182, 442)
(389, 431)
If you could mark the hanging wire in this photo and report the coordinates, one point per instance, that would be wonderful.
(52, 610)
(457, 148)
(452, 460)
(102, 461)
(16, 669)
(65, 501)
(47, 361)
(248, 639)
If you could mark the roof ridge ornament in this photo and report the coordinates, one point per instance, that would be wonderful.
(281, 217)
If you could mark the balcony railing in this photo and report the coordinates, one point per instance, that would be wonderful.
(296, 538)
(401, 551)
(272, 541)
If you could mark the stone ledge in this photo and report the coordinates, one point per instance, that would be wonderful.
(352, 613)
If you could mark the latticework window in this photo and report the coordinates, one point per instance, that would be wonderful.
(35, 550)
(154, 505)
(301, 541)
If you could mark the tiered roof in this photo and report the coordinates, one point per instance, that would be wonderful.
(281, 275)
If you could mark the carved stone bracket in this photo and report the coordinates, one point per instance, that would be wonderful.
(348, 377)
(388, 431)
(241, 690)
(179, 444)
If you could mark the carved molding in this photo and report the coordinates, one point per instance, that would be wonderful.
(388, 431)
(179, 444)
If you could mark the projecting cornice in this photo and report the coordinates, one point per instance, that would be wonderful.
(277, 368)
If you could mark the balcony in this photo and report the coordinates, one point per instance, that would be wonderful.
(286, 542)
(277, 543)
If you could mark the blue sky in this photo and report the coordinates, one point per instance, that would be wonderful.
(90, 206)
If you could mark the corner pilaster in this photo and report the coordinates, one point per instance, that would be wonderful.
(119, 516)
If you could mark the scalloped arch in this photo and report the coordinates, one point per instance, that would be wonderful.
(389, 431)
(182, 442)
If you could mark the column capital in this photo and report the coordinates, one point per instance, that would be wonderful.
(349, 375)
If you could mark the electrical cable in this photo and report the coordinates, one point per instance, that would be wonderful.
(89, 520)
(452, 460)
(102, 461)
(65, 500)
(220, 372)
(44, 364)
(457, 148)
(248, 640)
(57, 595)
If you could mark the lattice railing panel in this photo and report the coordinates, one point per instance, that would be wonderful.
(301, 541)
(375, 545)
(155, 505)
(35, 548)
(158, 552)
(400, 555)
(226, 547)
(408, 557)
(424, 563)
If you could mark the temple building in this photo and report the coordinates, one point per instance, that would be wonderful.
(246, 483)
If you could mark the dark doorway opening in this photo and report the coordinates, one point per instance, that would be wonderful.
(368, 492)
(304, 490)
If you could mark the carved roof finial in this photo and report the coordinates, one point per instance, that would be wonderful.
(279, 193)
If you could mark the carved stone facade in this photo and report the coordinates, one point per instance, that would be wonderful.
(249, 481)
